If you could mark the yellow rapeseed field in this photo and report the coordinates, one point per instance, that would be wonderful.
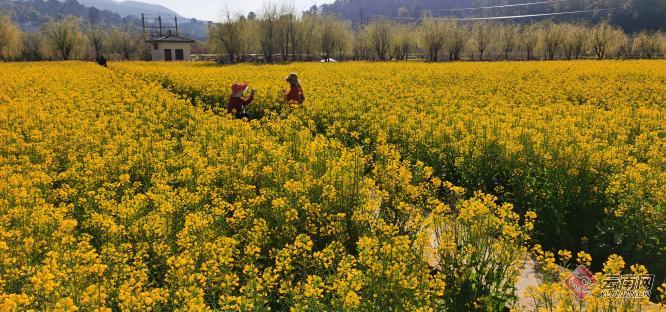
(395, 186)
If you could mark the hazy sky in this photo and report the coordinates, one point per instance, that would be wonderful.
(212, 9)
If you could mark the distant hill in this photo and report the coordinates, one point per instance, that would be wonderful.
(134, 8)
(32, 14)
(632, 15)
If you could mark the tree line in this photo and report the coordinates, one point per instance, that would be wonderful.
(282, 35)
(68, 38)
(278, 35)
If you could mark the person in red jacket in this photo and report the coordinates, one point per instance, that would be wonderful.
(295, 94)
(237, 103)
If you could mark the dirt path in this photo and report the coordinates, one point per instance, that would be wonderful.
(528, 278)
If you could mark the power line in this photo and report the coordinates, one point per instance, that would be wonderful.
(532, 15)
(500, 6)
(515, 16)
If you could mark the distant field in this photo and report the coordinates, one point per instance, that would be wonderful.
(409, 186)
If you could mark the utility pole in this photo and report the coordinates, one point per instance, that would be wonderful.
(159, 19)
(143, 25)
(175, 18)
(361, 16)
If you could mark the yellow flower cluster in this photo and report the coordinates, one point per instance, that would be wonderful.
(582, 144)
(116, 193)
(553, 295)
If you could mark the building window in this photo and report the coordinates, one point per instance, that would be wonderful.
(179, 54)
(167, 55)
(154, 46)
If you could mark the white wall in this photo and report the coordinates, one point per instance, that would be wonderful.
(158, 55)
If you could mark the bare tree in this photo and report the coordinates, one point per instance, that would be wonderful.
(269, 31)
(345, 37)
(482, 36)
(552, 39)
(32, 47)
(380, 31)
(95, 34)
(529, 39)
(432, 37)
(647, 43)
(126, 41)
(454, 39)
(402, 42)
(601, 39)
(575, 37)
(327, 37)
(9, 37)
(294, 35)
(286, 32)
(282, 35)
(362, 48)
(308, 31)
(623, 44)
(250, 38)
(330, 35)
(508, 35)
(227, 36)
(579, 39)
(64, 35)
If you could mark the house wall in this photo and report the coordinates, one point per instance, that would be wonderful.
(158, 55)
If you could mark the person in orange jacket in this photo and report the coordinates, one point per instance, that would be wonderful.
(295, 94)
(236, 104)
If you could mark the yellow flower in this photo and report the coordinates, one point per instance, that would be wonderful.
(130, 188)
(531, 215)
(614, 265)
(565, 255)
(584, 258)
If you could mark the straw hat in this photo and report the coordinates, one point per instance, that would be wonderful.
(293, 79)
(237, 89)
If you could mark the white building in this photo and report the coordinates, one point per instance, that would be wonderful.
(168, 47)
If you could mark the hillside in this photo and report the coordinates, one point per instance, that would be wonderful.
(631, 15)
(134, 8)
(32, 14)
